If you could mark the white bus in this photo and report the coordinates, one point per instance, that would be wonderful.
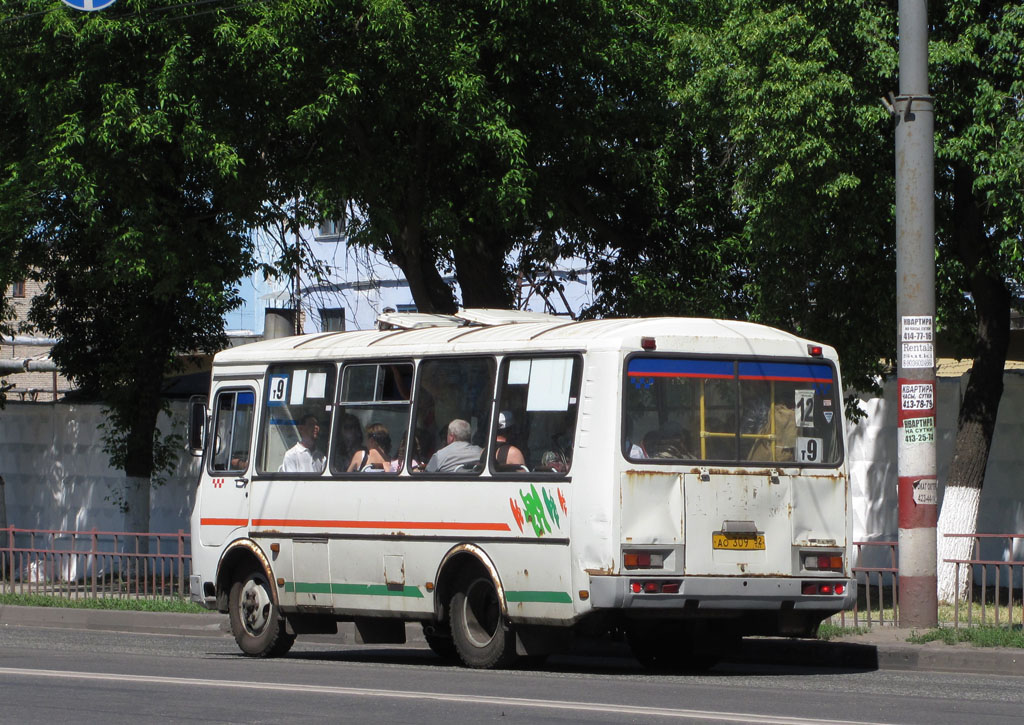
(512, 480)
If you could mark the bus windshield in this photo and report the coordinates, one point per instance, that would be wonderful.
(731, 411)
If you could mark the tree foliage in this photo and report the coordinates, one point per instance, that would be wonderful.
(138, 183)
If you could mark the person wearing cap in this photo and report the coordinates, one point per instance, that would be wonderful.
(507, 457)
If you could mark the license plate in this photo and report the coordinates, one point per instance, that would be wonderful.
(738, 542)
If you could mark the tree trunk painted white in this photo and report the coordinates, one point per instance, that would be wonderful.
(959, 515)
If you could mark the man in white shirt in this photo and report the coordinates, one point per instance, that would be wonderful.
(303, 457)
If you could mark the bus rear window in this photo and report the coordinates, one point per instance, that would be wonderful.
(731, 411)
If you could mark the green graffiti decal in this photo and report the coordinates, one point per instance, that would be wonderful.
(552, 506)
(539, 509)
(533, 507)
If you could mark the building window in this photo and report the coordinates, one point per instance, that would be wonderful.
(405, 308)
(332, 319)
(329, 230)
(18, 289)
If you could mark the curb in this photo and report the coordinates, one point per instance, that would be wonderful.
(851, 653)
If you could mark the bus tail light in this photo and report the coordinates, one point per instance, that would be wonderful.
(654, 587)
(648, 343)
(815, 588)
(643, 559)
(814, 350)
(822, 562)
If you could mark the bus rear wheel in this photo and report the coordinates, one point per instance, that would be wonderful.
(482, 638)
(440, 642)
(256, 623)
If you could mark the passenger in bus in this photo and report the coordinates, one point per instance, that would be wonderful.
(376, 456)
(415, 460)
(459, 454)
(668, 441)
(553, 462)
(507, 457)
(348, 441)
(303, 457)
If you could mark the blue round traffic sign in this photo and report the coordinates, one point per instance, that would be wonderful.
(89, 4)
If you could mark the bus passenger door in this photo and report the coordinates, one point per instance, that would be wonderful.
(224, 499)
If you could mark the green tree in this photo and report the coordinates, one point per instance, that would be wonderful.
(463, 132)
(788, 212)
(140, 187)
(790, 91)
(976, 52)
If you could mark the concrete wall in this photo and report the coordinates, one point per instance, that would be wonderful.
(51, 456)
(58, 477)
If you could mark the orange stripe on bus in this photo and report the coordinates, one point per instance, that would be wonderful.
(223, 522)
(445, 525)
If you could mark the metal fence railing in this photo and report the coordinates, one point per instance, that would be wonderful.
(91, 564)
(993, 595)
(877, 575)
(993, 585)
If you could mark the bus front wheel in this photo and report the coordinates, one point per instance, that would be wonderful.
(256, 623)
(482, 639)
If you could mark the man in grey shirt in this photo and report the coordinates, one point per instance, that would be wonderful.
(459, 454)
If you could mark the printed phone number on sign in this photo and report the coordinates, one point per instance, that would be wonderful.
(919, 396)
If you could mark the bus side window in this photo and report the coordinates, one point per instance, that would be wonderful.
(296, 423)
(537, 403)
(453, 400)
(232, 430)
(372, 418)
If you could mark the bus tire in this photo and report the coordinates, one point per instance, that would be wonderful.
(440, 642)
(482, 638)
(256, 623)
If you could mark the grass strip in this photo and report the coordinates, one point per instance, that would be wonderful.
(828, 631)
(977, 636)
(181, 606)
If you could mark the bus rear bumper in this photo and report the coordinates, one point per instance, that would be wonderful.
(723, 593)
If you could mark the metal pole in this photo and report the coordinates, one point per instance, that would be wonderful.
(915, 306)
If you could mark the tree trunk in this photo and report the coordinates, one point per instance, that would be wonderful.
(980, 404)
(411, 251)
(480, 270)
(141, 413)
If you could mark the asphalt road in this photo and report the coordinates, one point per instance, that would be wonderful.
(81, 676)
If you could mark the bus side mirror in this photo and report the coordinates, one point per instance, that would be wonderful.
(196, 432)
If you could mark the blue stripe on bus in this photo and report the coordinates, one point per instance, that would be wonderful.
(793, 372)
(665, 367)
(246, 399)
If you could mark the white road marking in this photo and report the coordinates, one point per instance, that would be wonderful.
(569, 705)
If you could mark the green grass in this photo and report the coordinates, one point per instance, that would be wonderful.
(827, 631)
(977, 636)
(130, 604)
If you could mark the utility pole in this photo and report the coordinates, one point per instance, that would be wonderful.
(915, 309)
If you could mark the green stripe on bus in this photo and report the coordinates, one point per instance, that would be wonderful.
(369, 590)
(307, 587)
(377, 590)
(541, 597)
